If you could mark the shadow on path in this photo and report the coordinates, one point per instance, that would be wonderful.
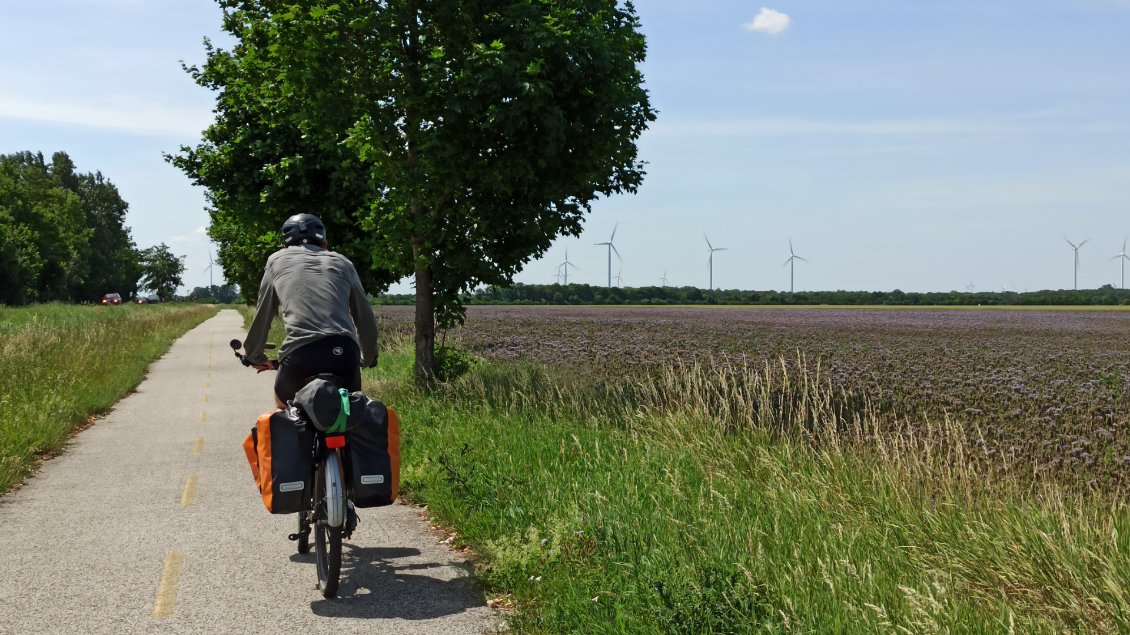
(376, 583)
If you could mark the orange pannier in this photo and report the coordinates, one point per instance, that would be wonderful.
(280, 450)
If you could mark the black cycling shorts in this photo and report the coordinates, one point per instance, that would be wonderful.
(337, 354)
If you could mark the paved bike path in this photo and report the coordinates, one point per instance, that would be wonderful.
(150, 523)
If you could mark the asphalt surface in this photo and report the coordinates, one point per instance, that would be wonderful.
(150, 523)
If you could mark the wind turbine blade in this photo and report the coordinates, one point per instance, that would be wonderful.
(1084, 242)
(1073, 245)
(614, 228)
(791, 253)
(616, 251)
(801, 258)
(708, 245)
(787, 262)
(721, 249)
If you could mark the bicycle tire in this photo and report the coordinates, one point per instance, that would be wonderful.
(327, 538)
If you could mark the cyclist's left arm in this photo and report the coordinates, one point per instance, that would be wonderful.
(365, 321)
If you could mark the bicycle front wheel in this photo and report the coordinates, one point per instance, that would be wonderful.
(329, 494)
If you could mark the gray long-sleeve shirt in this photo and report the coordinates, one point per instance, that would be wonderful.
(320, 295)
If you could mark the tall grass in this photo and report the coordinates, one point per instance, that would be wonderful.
(62, 364)
(747, 500)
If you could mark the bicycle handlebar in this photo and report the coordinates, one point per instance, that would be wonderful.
(236, 345)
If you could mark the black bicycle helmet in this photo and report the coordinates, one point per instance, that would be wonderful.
(304, 229)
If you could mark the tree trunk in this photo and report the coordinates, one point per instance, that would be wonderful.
(425, 327)
(425, 310)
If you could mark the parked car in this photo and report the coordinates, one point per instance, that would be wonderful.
(148, 299)
(111, 298)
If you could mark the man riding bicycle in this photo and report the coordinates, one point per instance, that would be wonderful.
(329, 323)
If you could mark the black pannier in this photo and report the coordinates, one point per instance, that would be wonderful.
(374, 453)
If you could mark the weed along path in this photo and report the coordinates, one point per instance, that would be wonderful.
(150, 523)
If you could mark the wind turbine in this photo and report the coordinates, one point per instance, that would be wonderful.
(1076, 248)
(1124, 258)
(664, 278)
(791, 262)
(611, 248)
(710, 261)
(619, 279)
(563, 268)
(209, 270)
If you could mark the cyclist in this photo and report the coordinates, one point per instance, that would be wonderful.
(329, 324)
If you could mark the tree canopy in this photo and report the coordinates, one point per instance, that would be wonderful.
(449, 140)
(63, 232)
(161, 271)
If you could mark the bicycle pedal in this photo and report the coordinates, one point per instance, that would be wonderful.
(294, 536)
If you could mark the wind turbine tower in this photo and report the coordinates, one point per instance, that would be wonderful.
(1123, 257)
(791, 262)
(710, 260)
(664, 278)
(209, 270)
(1076, 249)
(612, 248)
(563, 268)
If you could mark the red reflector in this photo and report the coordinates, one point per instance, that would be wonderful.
(335, 442)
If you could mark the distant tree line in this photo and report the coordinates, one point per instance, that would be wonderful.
(587, 294)
(63, 237)
(218, 294)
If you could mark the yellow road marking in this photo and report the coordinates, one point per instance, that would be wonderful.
(205, 398)
(188, 497)
(167, 588)
(198, 447)
(203, 416)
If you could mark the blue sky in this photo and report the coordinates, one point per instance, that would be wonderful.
(925, 146)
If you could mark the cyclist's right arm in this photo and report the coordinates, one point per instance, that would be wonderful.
(265, 309)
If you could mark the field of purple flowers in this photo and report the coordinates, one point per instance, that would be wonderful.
(1047, 388)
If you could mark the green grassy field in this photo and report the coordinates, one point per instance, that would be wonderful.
(638, 507)
(623, 508)
(63, 364)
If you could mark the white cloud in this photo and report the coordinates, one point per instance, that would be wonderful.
(1021, 123)
(769, 21)
(127, 115)
(196, 234)
(778, 126)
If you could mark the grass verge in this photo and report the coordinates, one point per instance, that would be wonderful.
(651, 508)
(63, 364)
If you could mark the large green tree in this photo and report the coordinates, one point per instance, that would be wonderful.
(63, 232)
(448, 140)
(161, 271)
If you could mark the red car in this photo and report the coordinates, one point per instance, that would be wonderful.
(111, 298)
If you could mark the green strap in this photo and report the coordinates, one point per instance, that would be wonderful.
(342, 414)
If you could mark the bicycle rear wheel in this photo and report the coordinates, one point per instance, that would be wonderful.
(329, 496)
